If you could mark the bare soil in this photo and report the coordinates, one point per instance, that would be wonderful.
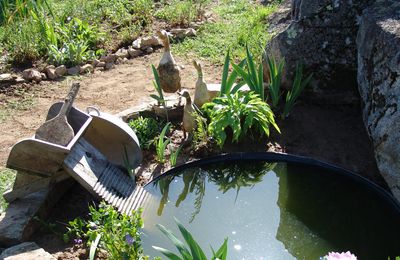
(332, 132)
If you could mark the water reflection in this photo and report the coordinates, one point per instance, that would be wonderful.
(234, 176)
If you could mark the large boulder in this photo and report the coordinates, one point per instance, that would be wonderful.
(378, 44)
(320, 34)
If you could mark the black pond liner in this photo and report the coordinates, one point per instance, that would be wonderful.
(288, 158)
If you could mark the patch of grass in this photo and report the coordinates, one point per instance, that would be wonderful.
(178, 12)
(24, 103)
(240, 22)
(7, 177)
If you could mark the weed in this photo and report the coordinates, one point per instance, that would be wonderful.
(156, 83)
(7, 177)
(118, 234)
(275, 76)
(200, 136)
(162, 143)
(193, 249)
(298, 86)
(174, 153)
(25, 103)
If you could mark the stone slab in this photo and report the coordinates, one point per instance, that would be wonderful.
(17, 223)
(26, 251)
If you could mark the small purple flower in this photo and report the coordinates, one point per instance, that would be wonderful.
(77, 241)
(129, 239)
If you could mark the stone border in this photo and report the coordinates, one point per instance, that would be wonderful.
(141, 46)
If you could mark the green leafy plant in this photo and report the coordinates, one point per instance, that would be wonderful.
(192, 250)
(298, 86)
(129, 169)
(146, 129)
(275, 77)
(156, 83)
(200, 136)
(239, 113)
(117, 234)
(252, 76)
(228, 80)
(174, 155)
(162, 143)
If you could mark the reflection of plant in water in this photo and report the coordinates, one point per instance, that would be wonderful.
(193, 182)
(199, 184)
(233, 176)
(163, 184)
(236, 176)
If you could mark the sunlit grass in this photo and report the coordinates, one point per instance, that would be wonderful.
(238, 23)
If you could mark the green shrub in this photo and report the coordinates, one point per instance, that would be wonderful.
(117, 234)
(239, 112)
(146, 130)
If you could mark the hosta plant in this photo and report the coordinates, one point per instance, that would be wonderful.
(240, 112)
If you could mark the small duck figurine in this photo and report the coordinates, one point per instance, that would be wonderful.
(167, 69)
(189, 120)
(203, 93)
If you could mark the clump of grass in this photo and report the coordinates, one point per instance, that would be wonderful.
(7, 177)
(239, 23)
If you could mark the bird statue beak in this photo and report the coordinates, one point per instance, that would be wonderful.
(179, 93)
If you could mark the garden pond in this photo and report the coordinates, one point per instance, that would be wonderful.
(272, 207)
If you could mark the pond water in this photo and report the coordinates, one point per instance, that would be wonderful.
(271, 211)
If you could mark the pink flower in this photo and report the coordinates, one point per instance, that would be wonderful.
(340, 256)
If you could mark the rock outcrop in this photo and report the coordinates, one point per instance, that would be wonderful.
(378, 44)
(320, 34)
(348, 43)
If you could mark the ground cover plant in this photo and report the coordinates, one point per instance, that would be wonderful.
(117, 234)
(146, 129)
